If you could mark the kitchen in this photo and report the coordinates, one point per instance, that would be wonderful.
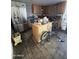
(39, 27)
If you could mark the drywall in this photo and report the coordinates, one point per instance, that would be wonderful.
(29, 9)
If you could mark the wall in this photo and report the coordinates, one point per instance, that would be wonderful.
(29, 9)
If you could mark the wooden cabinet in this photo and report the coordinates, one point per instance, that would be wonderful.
(36, 9)
(55, 9)
(49, 10)
(60, 7)
(39, 10)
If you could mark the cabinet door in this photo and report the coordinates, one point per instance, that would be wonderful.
(36, 9)
(60, 7)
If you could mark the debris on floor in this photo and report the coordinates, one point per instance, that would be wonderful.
(50, 50)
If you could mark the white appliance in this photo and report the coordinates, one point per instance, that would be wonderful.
(18, 15)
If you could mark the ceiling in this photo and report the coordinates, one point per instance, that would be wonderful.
(46, 2)
(41, 2)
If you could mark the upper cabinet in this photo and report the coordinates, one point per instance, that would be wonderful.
(49, 10)
(60, 7)
(36, 9)
(39, 10)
